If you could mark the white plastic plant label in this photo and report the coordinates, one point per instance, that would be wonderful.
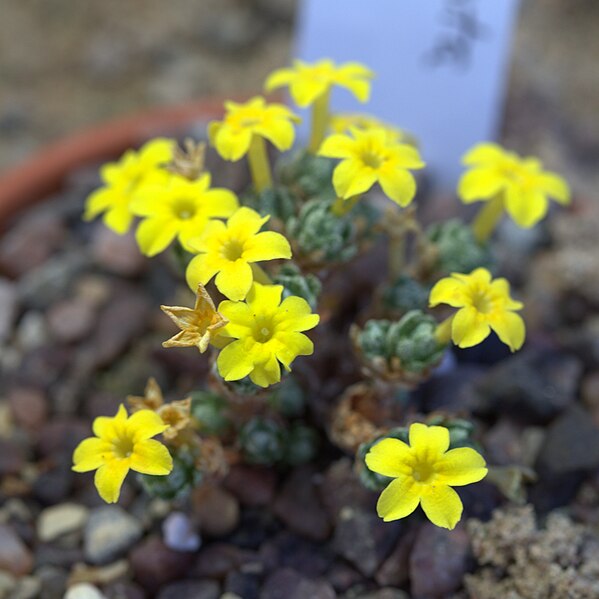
(441, 66)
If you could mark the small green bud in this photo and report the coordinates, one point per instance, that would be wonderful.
(262, 441)
(278, 202)
(321, 234)
(412, 340)
(176, 485)
(295, 283)
(308, 174)
(408, 345)
(288, 398)
(209, 411)
(458, 250)
(301, 445)
(404, 294)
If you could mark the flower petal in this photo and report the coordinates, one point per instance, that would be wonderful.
(155, 234)
(432, 440)
(109, 479)
(510, 328)
(234, 361)
(264, 297)
(304, 91)
(90, 454)
(351, 178)
(399, 185)
(298, 315)
(448, 291)
(442, 505)
(145, 424)
(398, 500)
(484, 153)
(268, 245)
(246, 221)
(118, 219)
(266, 373)
(556, 187)
(151, 457)
(235, 279)
(279, 131)
(232, 144)
(467, 330)
(526, 206)
(106, 427)
(293, 345)
(337, 146)
(201, 269)
(479, 184)
(388, 457)
(240, 318)
(462, 466)
(279, 78)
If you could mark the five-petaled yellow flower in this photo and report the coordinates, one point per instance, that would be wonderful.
(521, 182)
(178, 208)
(372, 156)
(484, 305)
(266, 332)
(199, 325)
(233, 135)
(121, 444)
(307, 82)
(124, 179)
(228, 250)
(424, 472)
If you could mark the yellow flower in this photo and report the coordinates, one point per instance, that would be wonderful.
(229, 249)
(522, 183)
(233, 135)
(121, 444)
(424, 473)
(369, 157)
(267, 331)
(484, 305)
(123, 180)
(199, 325)
(178, 208)
(307, 82)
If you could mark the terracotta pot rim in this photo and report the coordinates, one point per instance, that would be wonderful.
(44, 172)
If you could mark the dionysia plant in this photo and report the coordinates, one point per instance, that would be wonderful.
(261, 269)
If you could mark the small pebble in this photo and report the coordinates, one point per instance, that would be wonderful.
(83, 590)
(110, 532)
(61, 519)
(179, 533)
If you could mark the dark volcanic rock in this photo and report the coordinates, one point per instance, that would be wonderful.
(299, 506)
(190, 589)
(288, 584)
(363, 539)
(154, 564)
(533, 385)
(438, 561)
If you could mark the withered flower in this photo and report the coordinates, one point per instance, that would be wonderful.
(198, 324)
(176, 414)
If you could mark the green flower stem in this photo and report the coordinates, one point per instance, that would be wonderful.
(342, 206)
(259, 165)
(443, 331)
(320, 121)
(487, 218)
